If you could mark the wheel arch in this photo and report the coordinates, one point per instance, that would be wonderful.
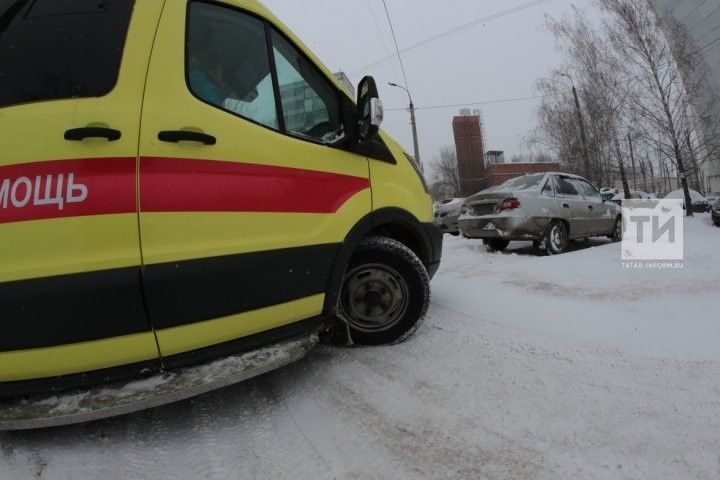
(565, 222)
(393, 223)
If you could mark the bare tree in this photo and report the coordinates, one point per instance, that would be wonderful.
(445, 177)
(583, 134)
(647, 58)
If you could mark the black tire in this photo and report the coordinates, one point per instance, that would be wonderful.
(497, 244)
(454, 234)
(556, 237)
(716, 222)
(617, 233)
(385, 292)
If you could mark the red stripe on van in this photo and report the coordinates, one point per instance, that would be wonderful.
(67, 188)
(181, 185)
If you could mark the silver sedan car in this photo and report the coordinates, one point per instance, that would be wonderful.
(547, 208)
(447, 213)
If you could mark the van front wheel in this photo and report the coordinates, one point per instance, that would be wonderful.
(385, 292)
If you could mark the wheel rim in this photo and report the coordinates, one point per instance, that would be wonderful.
(374, 298)
(557, 237)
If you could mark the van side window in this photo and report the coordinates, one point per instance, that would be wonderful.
(60, 49)
(310, 105)
(228, 64)
(5, 5)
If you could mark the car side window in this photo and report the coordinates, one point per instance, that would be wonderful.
(548, 189)
(565, 187)
(588, 191)
(228, 64)
(310, 105)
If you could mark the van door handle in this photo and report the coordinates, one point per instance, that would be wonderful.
(175, 136)
(591, 207)
(565, 205)
(79, 134)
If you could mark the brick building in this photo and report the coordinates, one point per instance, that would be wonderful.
(499, 173)
(470, 151)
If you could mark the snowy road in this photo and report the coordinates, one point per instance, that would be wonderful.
(566, 367)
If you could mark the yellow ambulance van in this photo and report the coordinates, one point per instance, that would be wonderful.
(182, 180)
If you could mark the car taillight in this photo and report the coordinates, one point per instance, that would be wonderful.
(510, 204)
(464, 209)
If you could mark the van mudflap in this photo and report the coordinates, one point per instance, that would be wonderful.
(110, 400)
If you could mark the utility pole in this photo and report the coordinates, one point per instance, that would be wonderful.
(581, 126)
(412, 123)
(412, 105)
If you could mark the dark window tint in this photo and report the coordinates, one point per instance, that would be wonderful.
(5, 5)
(58, 49)
(566, 188)
(228, 62)
(310, 104)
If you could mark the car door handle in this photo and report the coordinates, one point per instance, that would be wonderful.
(565, 205)
(175, 136)
(591, 207)
(79, 134)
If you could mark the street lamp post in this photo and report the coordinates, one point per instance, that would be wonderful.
(581, 125)
(412, 122)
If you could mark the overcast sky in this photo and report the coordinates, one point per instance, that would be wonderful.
(494, 60)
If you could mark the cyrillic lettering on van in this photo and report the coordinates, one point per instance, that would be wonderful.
(48, 198)
(71, 187)
(47, 191)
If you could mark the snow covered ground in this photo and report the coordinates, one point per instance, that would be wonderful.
(564, 367)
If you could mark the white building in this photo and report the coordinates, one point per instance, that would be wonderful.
(701, 19)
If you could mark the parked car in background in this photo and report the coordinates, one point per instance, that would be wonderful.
(634, 195)
(699, 203)
(547, 208)
(447, 213)
(608, 193)
(711, 197)
(715, 212)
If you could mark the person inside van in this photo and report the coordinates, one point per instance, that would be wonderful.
(227, 65)
(206, 76)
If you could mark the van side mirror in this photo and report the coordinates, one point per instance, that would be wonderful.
(370, 112)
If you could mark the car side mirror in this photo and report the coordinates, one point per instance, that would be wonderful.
(369, 114)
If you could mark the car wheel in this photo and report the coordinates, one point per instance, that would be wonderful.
(716, 221)
(385, 292)
(497, 244)
(617, 233)
(556, 237)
